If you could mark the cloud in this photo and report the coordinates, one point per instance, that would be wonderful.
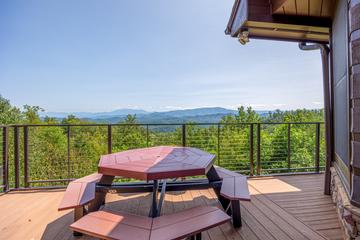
(279, 104)
(318, 103)
(257, 105)
(173, 107)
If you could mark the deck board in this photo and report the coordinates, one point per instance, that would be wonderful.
(303, 198)
(284, 207)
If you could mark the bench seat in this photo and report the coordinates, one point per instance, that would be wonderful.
(225, 173)
(123, 226)
(235, 188)
(234, 185)
(80, 192)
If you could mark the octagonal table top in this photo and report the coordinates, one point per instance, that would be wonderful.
(157, 163)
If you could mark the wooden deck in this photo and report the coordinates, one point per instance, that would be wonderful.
(286, 207)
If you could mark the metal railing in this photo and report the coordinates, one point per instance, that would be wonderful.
(52, 155)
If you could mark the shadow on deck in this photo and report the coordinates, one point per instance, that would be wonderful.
(283, 207)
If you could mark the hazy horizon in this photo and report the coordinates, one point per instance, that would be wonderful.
(139, 109)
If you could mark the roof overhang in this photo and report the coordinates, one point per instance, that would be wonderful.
(290, 20)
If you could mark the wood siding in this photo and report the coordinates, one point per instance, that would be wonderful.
(314, 8)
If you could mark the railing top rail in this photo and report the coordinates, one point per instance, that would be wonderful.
(154, 124)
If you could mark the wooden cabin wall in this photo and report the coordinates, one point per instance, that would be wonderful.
(354, 46)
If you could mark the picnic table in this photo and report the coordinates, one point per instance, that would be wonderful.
(155, 164)
(158, 168)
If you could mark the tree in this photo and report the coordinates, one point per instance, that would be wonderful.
(8, 113)
(31, 114)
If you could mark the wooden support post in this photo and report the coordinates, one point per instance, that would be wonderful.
(79, 212)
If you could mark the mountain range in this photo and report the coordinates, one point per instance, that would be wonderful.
(205, 115)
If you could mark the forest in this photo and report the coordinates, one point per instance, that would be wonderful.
(58, 150)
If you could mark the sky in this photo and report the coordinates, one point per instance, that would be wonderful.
(159, 55)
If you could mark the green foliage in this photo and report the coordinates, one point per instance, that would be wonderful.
(8, 113)
(229, 140)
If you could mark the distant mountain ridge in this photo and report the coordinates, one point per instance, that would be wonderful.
(198, 112)
(118, 112)
(205, 115)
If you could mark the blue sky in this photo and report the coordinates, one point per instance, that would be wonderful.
(101, 55)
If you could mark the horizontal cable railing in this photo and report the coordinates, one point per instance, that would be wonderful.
(51, 155)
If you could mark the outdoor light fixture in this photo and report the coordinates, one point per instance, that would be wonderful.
(243, 37)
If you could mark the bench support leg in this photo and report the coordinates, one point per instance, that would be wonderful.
(100, 196)
(79, 212)
(236, 213)
(213, 176)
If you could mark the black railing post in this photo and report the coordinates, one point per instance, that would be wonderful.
(16, 157)
(68, 150)
(218, 142)
(26, 156)
(5, 159)
(258, 149)
(109, 138)
(147, 135)
(184, 135)
(251, 139)
(317, 148)
(289, 146)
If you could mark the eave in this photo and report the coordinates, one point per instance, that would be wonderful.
(276, 20)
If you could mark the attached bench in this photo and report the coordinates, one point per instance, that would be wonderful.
(234, 187)
(122, 226)
(79, 193)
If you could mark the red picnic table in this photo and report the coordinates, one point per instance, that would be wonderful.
(156, 164)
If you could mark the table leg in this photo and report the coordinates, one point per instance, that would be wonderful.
(162, 196)
(196, 237)
(157, 205)
(212, 177)
(100, 196)
(154, 207)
